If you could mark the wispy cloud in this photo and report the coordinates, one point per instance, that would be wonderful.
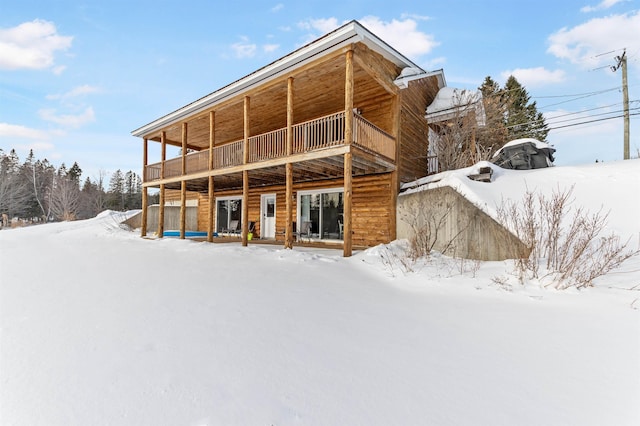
(244, 48)
(268, 48)
(21, 132)
(583, 43)
(78, 91)
(603, 5)
(278, 7)
(535, 77)
(68, 120)
(31, 45)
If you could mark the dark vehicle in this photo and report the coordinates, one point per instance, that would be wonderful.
(524, 154)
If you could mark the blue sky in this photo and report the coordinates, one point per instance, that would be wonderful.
(77, 77)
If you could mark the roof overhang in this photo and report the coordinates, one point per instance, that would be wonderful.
(350, 33)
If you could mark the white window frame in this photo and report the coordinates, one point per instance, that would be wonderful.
(311, 192)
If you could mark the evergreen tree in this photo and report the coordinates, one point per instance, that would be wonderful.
(522, 117)
(116, 193)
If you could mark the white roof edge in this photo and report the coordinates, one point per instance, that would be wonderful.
(403, 81)
(351, 32)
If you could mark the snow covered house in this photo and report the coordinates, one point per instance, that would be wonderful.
(316, 143)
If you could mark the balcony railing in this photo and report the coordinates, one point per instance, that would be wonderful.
(323, 132)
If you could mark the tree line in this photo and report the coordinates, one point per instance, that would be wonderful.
(35, 190)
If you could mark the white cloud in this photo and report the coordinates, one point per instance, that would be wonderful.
(85, 89)
(581, 44)
(244, 49)
(532, 77)
(268, 48)
(16, 131)
(31, 45)
(277, 7)
(403, 35)
(603, 5)
(68, 120)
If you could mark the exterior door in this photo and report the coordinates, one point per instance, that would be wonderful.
(268, 220)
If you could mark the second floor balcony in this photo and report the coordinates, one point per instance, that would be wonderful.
(314, 136)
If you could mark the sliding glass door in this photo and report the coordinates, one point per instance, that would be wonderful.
(323, 211)
(228, 212)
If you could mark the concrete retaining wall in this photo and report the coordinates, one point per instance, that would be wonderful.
(171, 219)
(473, 234)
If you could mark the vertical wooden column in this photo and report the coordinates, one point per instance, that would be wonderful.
(163, 159)
(348, 139)
(288, 232)
(212, 120)
(183, 184)
(245, 175)
(145, 199)
(395, 181)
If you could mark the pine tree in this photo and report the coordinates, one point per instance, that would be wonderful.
(522, 117)
(116, 193)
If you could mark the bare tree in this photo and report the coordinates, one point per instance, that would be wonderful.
(65, 197)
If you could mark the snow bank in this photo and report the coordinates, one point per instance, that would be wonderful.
(99, 326)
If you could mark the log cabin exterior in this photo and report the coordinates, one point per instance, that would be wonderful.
(316, 142)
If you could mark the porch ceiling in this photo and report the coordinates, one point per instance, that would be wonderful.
(318, 90)
(318, 169)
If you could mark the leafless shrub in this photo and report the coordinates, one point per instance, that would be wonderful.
(427, 223)
(574, 254)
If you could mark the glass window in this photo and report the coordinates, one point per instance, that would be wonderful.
(324, 210)
(228, 210)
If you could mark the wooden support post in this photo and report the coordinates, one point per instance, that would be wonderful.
(183, 208)
(183, 184)
(395, 181)
(212, 119)
(348, 187)
(245, 175)
(245, 208)
(161, 212)
(288, 230)
(145, 200)
(348, 139)
(163, 159)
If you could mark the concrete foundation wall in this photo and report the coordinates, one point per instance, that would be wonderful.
(171, 219)
(472, 233)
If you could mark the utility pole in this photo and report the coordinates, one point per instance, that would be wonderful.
(622, 63)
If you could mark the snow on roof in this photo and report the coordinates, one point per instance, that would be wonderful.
(451, 102)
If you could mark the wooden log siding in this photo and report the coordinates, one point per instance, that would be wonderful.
(323, 132)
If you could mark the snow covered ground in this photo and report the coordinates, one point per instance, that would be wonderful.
(101, 327)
